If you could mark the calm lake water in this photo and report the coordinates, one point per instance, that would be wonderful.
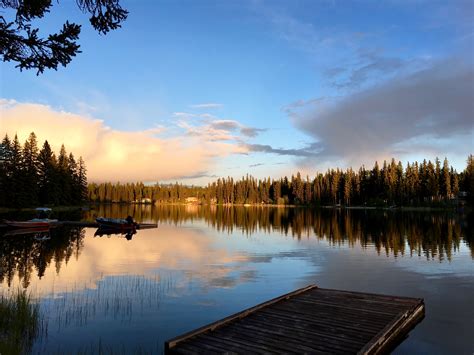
(201, 264)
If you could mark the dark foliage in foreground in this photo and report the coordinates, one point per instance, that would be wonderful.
(22, 44)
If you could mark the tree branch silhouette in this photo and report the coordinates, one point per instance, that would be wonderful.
(21, 43)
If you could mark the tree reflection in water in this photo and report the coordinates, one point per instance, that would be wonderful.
(435, 235)
(23, 254)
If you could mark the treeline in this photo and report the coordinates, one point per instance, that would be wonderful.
(416, 184)
(29, 176)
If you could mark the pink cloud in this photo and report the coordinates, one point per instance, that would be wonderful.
(110, 154)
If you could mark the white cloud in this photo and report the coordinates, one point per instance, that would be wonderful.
(110, 154)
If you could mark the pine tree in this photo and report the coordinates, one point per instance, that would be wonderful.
(335, 177)
(297, 189)
(64, 178)
(375, 183)
(82, 180)
(73, 179)
(347, 187)
(18, 198)
(48, 176)
(30, 169)
(437, 180)
(5, 171)
(431, 181)
(445, 180)
(454, 182)
(276, 192)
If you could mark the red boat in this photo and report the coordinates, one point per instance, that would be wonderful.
(32, 223)
(41, 222)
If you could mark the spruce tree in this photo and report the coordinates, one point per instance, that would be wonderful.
(73, 177)
(454, 182)
(18, 195)
(297, 189)
(347, 187)
(48, 176)
(445, 180)
(64, 178)
(5, 171)
(30, 169)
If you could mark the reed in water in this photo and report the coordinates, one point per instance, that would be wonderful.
(20, 322)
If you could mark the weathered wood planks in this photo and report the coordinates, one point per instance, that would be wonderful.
(308, 320)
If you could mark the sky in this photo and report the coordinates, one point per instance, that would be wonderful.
(191, 91)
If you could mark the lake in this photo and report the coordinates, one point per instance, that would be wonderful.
(203, 263)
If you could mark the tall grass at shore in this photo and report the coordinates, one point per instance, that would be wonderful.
(20, 322)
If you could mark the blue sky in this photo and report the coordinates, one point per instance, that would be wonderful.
(260, 87)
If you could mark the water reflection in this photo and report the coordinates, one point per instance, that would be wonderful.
(30, 254)
(435, 234)
(201, 264)
(432, 235)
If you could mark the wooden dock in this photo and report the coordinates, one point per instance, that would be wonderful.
(309, 320)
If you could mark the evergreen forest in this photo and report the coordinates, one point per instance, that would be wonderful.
(417, 184)
(30, 176)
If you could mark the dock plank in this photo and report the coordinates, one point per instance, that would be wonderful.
(324, 326)
(308, 320)
(297, 335)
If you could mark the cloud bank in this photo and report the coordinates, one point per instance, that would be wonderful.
(114, 155)
(421, 112)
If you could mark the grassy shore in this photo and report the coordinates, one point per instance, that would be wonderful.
(19, 322)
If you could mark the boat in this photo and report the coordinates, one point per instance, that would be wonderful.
(117, 223)
(41, 221)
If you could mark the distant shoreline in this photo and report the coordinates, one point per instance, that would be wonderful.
(379, 208)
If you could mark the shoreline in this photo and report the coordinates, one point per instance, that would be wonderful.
(380, 208)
